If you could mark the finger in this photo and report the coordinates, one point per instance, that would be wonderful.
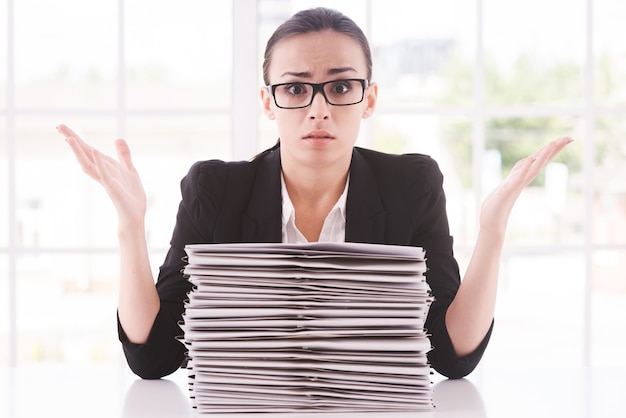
(560, 144)
(66, 131)
(83, 156)
(546, 154)
(557, 145)
(86, 148)
(86, 158)
(79, 149)
(541, 158)
(522, 173)
(123, 154)
(106, 171)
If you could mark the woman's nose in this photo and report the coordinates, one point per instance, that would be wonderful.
(319, 108)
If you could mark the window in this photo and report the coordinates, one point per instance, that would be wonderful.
(143, 70)
(465, 82)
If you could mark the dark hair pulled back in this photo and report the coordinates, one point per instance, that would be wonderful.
(316, 20)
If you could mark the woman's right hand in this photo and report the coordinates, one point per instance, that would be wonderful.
(119, 178)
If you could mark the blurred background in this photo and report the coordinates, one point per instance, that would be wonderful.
(475, 84)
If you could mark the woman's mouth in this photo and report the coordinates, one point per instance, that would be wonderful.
(318, 138)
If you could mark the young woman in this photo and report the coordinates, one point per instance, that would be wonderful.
(314, 185)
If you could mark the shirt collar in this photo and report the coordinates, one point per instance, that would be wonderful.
(288, 211)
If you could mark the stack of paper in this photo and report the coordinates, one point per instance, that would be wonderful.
(292, 328)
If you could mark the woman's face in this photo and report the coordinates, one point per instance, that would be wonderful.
(320, 134)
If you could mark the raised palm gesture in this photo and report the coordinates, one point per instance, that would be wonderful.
(497, 206)
(118, 177)
(138, 299)
(470, 314)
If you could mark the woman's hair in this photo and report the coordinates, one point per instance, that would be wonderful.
(317, 20)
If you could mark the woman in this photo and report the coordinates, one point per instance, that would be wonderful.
(314, 185)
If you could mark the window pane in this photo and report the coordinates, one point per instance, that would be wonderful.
(164, 148)
(178, 56)
(426, 55)
(539, 311)
(533, 55)
(608, 308)
(609, 217)
(609, 54)
(66, 308)
(66, 54)
(551, 209)
(57, 204)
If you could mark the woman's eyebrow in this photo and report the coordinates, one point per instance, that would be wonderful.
(307, 74)
(300, 74)
(340, 70)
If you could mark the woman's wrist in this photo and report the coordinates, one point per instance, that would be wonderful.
(492, 235)
(131, 229)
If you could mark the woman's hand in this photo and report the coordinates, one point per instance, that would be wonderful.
(119, 178)
(139, 301)
(497, 206)
(471, 312)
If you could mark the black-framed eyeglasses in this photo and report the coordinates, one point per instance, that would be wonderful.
(297, 94)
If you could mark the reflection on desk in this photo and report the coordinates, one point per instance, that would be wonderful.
(156, 399)
(115, 392)
(458, 398)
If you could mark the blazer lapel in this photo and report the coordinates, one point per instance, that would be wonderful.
(365, 213)
(262, 221)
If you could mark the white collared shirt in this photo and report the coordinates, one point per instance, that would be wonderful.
(334, 228)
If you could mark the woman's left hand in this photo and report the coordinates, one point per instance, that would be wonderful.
(497, 206)
(470, 314)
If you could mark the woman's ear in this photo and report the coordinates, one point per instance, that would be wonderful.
(371, 95)
(266, 102)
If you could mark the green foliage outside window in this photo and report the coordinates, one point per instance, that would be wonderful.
(525, 84)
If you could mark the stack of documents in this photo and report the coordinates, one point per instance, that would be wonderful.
(307, 327)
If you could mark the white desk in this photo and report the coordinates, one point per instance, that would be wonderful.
(116, 392)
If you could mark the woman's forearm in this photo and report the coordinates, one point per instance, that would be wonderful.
(471, 312)
(138, 299)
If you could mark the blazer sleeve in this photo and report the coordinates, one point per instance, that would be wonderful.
(163, 353)
(431, 231)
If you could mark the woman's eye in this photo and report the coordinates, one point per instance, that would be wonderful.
(295, 89)
(341, 88)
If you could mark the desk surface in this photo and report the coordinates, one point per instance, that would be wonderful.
(116, 392)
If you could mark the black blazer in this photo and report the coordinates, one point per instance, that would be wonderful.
(392, 199)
